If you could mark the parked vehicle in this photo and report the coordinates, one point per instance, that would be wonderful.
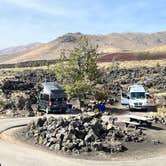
(136, 98)
(52, 98)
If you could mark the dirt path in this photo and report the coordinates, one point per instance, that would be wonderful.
(13, 153)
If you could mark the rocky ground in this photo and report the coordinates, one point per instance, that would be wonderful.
(19, 91)
(20, 88)
(115, 79)
(153, 79)
(81, 133)
(92, 136)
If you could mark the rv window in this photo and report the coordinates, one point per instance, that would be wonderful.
(44, 97)
(58, 99)
(137, 95)
(124, 95)
(54, 99)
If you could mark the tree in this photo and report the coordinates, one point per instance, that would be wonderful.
(79, 74)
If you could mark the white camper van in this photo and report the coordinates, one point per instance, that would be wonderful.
(135, 97)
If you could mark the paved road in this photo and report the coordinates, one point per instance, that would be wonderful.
(15, 154)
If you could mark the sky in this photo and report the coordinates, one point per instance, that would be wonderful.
(28, 21)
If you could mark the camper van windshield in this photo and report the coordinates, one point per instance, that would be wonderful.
(137, 95)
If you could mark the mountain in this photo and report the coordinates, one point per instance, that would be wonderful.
(110, 43)
(17, 49)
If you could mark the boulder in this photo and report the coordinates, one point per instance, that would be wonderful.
(80, 134)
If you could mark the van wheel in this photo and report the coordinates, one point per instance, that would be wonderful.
(145, 109)
(38, 109)
(63, 111)
(130, 109)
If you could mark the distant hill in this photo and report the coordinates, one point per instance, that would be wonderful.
(158, 49)
(17, 49)
(110, 43)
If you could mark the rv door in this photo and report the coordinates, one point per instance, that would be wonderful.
(124, 99)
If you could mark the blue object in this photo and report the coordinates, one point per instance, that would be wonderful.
(102, 107)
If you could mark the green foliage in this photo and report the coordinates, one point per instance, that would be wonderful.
(79, 74)
(101, 95)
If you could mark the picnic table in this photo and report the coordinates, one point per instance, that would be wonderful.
(129, 123)
(140, 119)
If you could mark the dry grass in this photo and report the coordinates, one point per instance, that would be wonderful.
(3, 100)
(133, 64)
(157, 49)
(161, 110)
(160, 94)
(122, 64)
(23, 68)
(3, 76)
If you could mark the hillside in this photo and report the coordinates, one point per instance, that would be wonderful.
(110, 43)
(132, 56)
(17, 49)
(159, 49)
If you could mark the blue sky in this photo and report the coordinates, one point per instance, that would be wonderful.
(27, 21)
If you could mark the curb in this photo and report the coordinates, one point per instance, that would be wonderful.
(11, 127)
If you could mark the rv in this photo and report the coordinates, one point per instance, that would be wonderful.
(136, 98)
(52, 98)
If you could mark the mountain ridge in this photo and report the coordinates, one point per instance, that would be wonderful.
(108, 43)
